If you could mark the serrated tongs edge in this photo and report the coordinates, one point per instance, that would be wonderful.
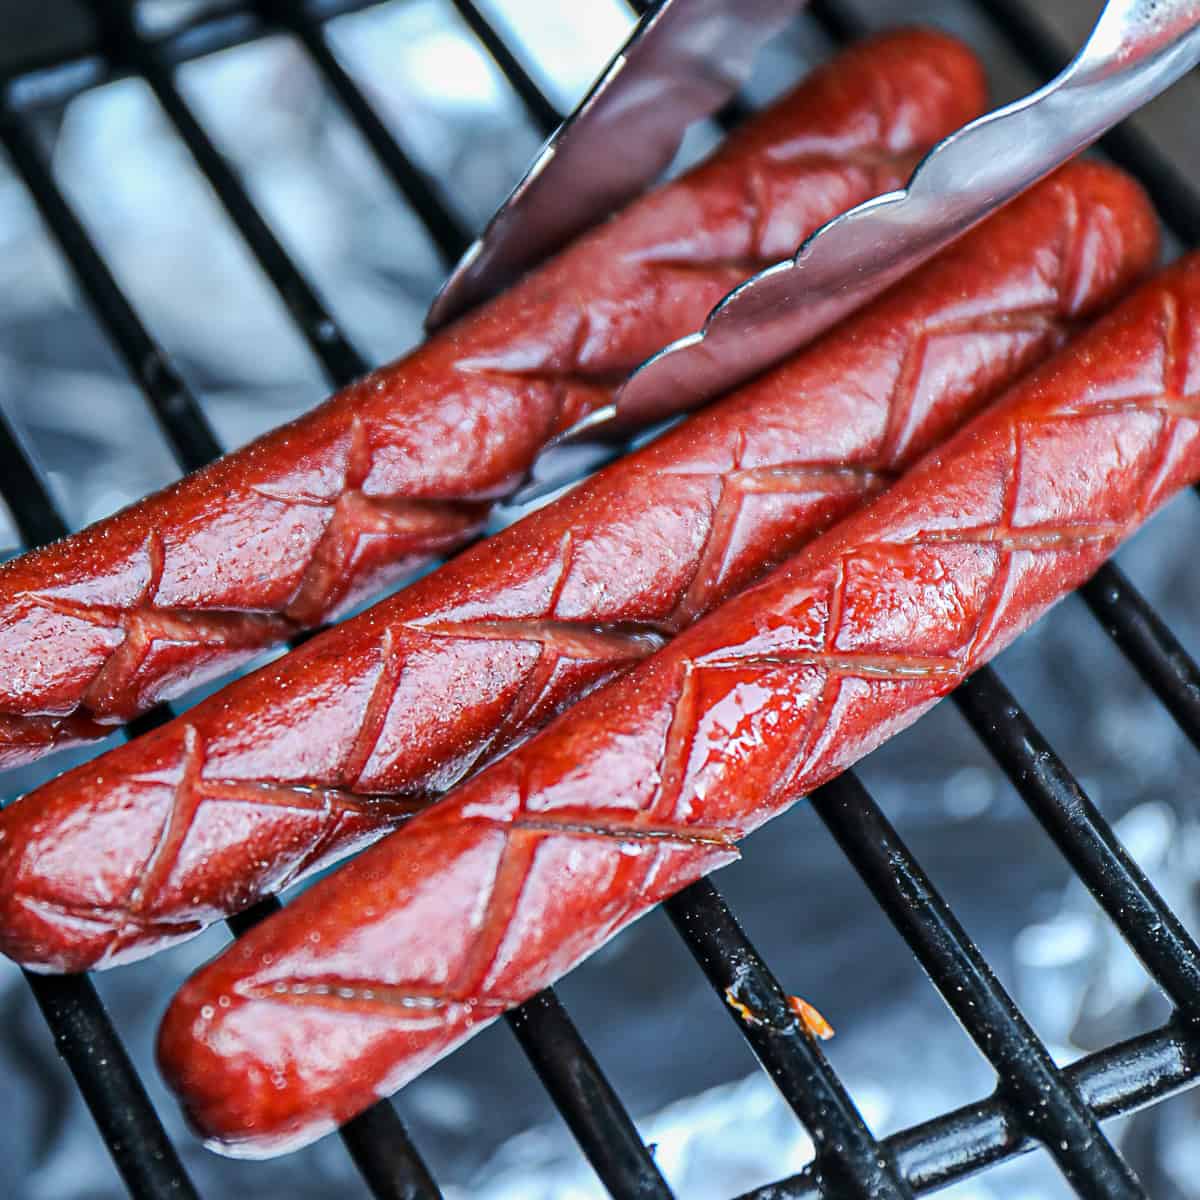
(1137, 49)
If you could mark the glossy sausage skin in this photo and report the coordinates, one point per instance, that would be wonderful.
(645, 785)
(285, 770)
(402, 466)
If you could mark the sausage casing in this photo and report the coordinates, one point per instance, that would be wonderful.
(403, 465)
(328, 748)
(645, 785)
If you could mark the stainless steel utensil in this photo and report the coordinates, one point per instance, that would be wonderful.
(1137, 49)
(681, 63)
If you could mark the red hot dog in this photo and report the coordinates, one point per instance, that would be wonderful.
(645, 785)
(284, 771)
(402, 466)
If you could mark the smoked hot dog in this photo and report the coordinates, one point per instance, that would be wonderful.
(326, 749)
(646, 784)
(403, 465)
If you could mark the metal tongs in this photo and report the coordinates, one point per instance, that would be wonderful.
(682, 61)
(1137, 49)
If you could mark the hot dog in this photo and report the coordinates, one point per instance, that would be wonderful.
(402, 466)
(328, 748)
(646, 785)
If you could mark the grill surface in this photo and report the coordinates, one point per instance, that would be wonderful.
(1035, 1102)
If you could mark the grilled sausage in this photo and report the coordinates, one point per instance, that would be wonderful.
(288, 768)
(403, 465)
(645, 785)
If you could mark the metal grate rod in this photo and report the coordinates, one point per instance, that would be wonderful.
(87, 1041)
(1086, 840)
(1047, 1107)
(449, 234)
(179, 416)
(26, 492)
(848, 1158)
(40, 83)
(586, 1099)
(1143, 637)
(385, 1156)
(836, 21)
(341, 362)
(950, 1147)
(545, 116)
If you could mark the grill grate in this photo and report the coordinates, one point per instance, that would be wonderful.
(1035, 1103)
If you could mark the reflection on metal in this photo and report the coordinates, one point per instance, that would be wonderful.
(1137, 50)
(681, 63)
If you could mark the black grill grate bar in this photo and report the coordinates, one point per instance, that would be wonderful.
(449, 234)
(848, 1158)
(586, 1100)
(87, 1041)
(836, 21)
(733, 112)
(1150, 646)
(25, 491)
(385, 1156)
(341, 362)
(1046, 1106)
(936, 1153)
(542, 112)
(1085, 839)
(39, 83)
(584, 1097)
(175, 409)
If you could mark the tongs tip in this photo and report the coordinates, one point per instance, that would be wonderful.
(449, 302)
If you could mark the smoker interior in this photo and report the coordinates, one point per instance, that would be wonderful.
(212, 214)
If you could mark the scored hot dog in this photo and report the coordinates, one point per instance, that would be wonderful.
(293, 766)
(403, 465)
(645, 785)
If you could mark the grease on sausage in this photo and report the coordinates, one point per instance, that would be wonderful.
(525, 869)
(403, 465)
(330, 747)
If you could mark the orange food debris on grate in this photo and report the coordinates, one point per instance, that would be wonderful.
(813, 1021)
